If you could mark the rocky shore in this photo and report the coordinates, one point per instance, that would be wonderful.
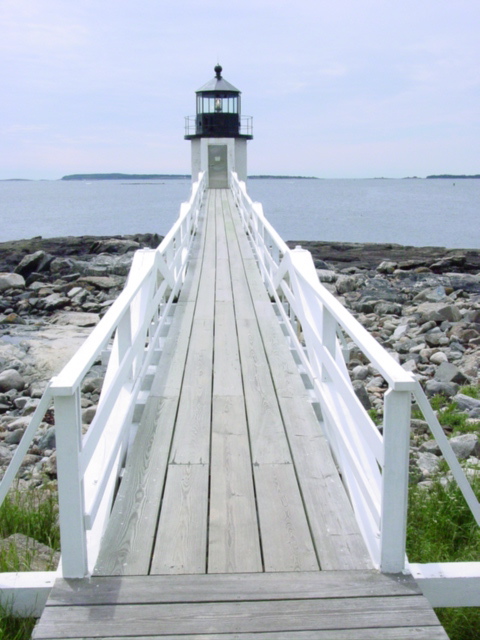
(421, 303)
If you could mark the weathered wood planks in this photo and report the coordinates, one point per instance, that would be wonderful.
(228, 400)
(292, 605)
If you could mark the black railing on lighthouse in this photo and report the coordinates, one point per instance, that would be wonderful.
(243, 126)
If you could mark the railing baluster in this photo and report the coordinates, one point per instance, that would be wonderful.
(329, 338)
(68, 430)
(396, 435)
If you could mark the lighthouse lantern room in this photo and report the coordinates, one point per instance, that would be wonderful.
(219, 133)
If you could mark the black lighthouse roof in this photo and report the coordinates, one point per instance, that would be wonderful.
(218, 83)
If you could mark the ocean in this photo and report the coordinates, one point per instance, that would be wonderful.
(419, 212)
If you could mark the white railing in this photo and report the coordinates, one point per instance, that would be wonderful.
(374, 467)
(88, 466)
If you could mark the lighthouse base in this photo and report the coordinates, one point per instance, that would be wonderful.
(218, 157)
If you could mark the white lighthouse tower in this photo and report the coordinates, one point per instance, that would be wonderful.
(219, 133)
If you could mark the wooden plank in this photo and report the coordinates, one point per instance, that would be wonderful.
(221, 239)
(335, 531)
(128, 541)
(234, 544)
(404, 633)
(223, 288)
(267, 433)
(288, 383)
(227, 376)
(241, 617)
(286, 539)
(230, 587)
(168, 378)
(181, 541)
(191, 443)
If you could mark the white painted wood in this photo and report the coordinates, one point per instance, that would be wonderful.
(449, 584)
(396, 433)
(25, 442)
(68, 428)
(25, 593)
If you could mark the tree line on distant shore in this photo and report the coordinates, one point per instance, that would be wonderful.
(451, 176)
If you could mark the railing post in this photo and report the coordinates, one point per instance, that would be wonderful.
(124, 333)
(68, 433)
(396, 438)
(329, 338)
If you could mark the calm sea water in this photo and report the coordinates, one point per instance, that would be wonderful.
(413, 212)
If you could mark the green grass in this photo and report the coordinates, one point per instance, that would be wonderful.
(441, 528)
(12, 628)
(472, 391)
(34, 513)
(449, 415)
(440, 525)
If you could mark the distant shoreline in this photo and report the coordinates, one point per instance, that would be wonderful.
(187, 176)
(165, 176)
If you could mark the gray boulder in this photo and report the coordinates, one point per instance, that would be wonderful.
(326, 275)
(11, 379)
(5, 454)
(47, 441)
(55, 301)
(11, 281)
(428, 463)
(465, 445)
(438, 312)
(448, 372)
(34, 262)
(344, 284)
(431, 446)
(383, 307)
(387, 266)
(14, 437)
(466, 403)
(435, 387)
(362, 394)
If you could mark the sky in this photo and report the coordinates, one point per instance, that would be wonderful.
(337, 89)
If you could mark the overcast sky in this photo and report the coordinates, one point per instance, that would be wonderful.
(337, 89)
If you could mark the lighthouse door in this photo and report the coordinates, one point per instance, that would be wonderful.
(217, 166)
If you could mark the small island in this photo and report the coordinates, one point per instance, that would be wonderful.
(268, 177)
(450, 176)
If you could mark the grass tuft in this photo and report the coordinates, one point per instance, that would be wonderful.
(441, 528)
(12, 628)
(33, 513)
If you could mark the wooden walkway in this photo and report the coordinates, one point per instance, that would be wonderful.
(231, 520)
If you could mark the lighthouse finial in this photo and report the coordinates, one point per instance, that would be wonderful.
(218, 71)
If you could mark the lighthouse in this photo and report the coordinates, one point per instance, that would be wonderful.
(218, 133)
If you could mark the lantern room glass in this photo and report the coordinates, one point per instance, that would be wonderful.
(217, 104)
